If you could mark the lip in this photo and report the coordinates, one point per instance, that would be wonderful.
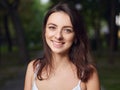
(57, 44)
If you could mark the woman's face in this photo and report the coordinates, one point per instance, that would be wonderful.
(59, 33)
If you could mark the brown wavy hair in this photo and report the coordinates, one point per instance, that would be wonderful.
(79, 50)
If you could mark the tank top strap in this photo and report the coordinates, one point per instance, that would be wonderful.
(36, 71)
(34, 86)
(79, 82)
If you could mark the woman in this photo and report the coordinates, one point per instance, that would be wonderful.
(65, 64)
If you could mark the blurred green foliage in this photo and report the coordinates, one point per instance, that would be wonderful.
(31, 16)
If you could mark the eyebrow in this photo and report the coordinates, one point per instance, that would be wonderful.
(68, 27)
(51, 24)
(63, 26)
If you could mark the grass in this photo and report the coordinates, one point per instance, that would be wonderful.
(110, 77)
(10, 64)
(109, 73)
(8, 73)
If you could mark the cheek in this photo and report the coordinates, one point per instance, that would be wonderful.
(70, 39)
(48, 34)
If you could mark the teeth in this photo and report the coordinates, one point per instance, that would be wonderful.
(57, 44)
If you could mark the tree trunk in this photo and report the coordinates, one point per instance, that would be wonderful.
(9, 41)
(19, 31)
(113, 31)
(97, 32)
(0, 44)
(11, 9)
(20, 36)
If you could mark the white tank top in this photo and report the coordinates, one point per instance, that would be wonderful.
(34, 86)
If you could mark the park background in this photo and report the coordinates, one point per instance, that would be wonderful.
(21, 41)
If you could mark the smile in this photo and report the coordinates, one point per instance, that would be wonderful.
(57, 44)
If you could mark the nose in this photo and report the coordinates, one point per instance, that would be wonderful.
(59, 35)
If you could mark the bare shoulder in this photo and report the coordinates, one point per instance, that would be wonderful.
(93, 82)
(29, 76)
(30, 66)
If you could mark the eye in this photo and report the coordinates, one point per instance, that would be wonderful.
(51, 27)
(67, 30)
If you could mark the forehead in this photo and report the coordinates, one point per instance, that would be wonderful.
(59, 18)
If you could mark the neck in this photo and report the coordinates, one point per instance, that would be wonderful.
(60, 60)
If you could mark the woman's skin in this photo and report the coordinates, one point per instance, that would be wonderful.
(59, 35)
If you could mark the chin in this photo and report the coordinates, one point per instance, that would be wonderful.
(59, 51)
